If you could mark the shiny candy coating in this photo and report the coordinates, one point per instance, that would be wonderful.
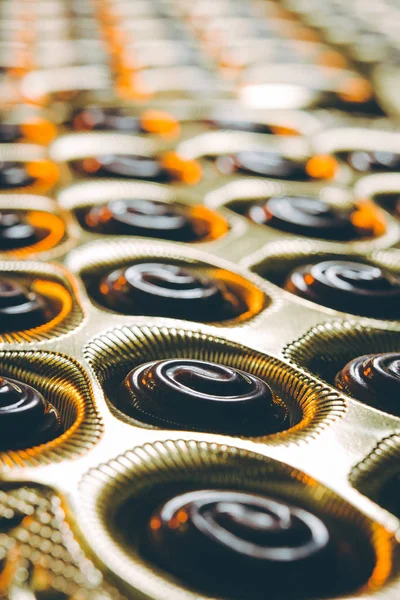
(14, 175)
(307, 216)
(15, 231)
(195, 394)
(105, 118)
(26, 418)
(19, 308)
(125, 166)
(168, 290)
(373, 379)
(241, 544)
(365, 161)
(263, 163)
(353, 287)
(164, 220)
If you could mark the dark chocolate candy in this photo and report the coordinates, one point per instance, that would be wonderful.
(243, 545)
(307, 216)
(26, 418)
(14, 175)
(263, 163)
(160, 289)
(20, 308)
(169, 221)
(106, 118)
(200, 395)
(389, 496)
(368, 161)
(239, 125)
(15, 231)
(373, 379)
(126, 166)
(354, 287)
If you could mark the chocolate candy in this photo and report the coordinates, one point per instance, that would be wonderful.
(354, 287)
(14, 175)
(26, 418)
(205, 396)
(389, 496)
(239, 125)
(263, 163)
(373, 379)
(307, 216)
(242, 545)
(15, 231)
(9, 132)
(124, 166)
(169, 221)
(167, 290)
(106, 118)
(20, 308)
(367, 161)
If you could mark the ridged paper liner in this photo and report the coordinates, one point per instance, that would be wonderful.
(56, 284)
(239, 195)
(62, 234)
(39, 541)
(97, 192)
(275, 261)
(63, 383)
(312, 406)
(371, 474)
(105, 489)
(96, 259)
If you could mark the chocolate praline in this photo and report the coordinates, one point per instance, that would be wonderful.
(168, 290)
(354, 287)
(365, 161)
(307, 216)
(26, 418)
(201, 395)
(263, 163)
(20, 308)
(243, 545)
(373, 379)
(15, 231)
(14, 175)
(125, 166)
(165, 220)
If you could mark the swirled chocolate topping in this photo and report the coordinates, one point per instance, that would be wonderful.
(353, 287)
(15, 231)
(195, 394)
(164, 220)
(9, 132)
(367, 162)
(263, 163)
(242, 544)
(14, 175)
(26, 418)
(125, 166)
(19, 308)
(373, 379)
(167, 290)
(308, 216)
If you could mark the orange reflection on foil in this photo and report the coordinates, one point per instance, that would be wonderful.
(160, 122)
(155, 524)
(45, 173)
(214, 223)
(39, 130)
(356, 90)
(54, 226)
(185, 170)
(369, 217)
(322, 167)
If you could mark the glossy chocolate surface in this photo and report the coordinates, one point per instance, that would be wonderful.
(15, 231)
(369, 162)
(306, 216)
(20, 308)
(168, 290)
(14, 175)
(125, 166)
(164, 220)
(357, 288)
(26, 418)
(373, 379)
(195, 394)
(106, 118)
(262, 163)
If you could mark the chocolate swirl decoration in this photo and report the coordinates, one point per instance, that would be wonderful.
(125, 166)
(14, 175)
(373, 379)
(15, 231)
(365, 161)
(167, 290)
(242, 545)
(26, 418)
(20, 308)
(353, 287)
(309, 217)
(205, 396)
(137, 216)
